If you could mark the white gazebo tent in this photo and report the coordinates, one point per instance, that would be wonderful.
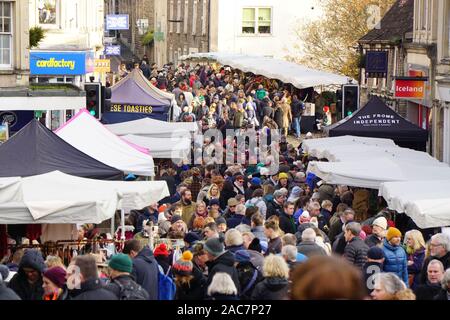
(88, 135)
(426, 202)
(175, 148)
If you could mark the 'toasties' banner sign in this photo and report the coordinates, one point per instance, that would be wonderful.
(61, 63)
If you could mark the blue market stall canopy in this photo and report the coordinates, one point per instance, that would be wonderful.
(37, 150)
(134, 97)
(377, 120)
(61, 62)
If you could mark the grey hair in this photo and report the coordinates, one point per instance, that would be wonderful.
(443, 239)
(391, 282)
(278, 193)
(243, 228)
(309, 235)
(437, 262)
(223, 284)
(349, 211)
(233, 238)
(354, 228)
(446, 279)
(290, 252)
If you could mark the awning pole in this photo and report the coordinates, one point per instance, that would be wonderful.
(122, 222)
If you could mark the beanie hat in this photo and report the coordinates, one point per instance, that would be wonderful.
(4, 272)
(191, 237)
(393, 232)
(221, 220)
(283, 175)
(213, 202)
(121, 262)
(161, 250)
(375, 253)
(255, 181)
(175, 218)
(214, 246)
(305, 217)
(57, 275)
(242, 256)
(184, 265)
(381, 222)
(255, 245)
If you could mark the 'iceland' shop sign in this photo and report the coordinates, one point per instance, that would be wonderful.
(61, 63)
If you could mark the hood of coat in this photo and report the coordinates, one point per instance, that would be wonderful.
(226, 258)
(146, 254)
(32, 259)
(275, 283)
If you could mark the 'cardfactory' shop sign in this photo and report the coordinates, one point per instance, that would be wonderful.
(61, 63)
(131, 108)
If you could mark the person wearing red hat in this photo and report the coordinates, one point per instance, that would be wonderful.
(162, 254)
(54, 284)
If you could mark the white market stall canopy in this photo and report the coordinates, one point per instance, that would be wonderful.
(288, 72)
(427, 203)
(42, 103)
(371, 173)
(88, 135)
(58, 198)
(162, 148)
(316, 147)
(153, 128)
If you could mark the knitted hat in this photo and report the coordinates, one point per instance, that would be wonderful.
(214, 246)
(221, 220)
(305, 217)
(184, 265)
(242, 256)
(214, 201)
(161, 250)
(191, 237)
(121, 262)
(57, 275)
(381, 222)
(283, 175)
(255, 245)
(4, 272)
(375, 253)
(255, 181)
(175, 218)
(393, 232)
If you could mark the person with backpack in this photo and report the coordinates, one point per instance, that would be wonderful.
(122, 283)
(249, 275)
(145, 267)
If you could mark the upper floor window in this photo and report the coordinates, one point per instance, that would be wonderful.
(5, 33)
(256, 20)
(447, 30)
(47, 11)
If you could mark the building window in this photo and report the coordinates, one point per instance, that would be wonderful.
(194, 17)
(5, 33)
(47, 11)
(447, 29)
(186, 16)
(178, 16)
(257, 20)
(171, 15)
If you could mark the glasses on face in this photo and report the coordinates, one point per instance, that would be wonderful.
(232, 206)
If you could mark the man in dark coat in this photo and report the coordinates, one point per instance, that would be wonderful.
(287, 223)
(5, 292)
(27, 282)
(91, 288)
(374, 265)
(308, 246)
(145, 267)
(432, 287)
(278, 116)
(440, 250)
(356, 250)
(220, 260)
(275, 207)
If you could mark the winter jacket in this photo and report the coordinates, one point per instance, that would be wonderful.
(195, 290)
(427, 291)
(239, 118)
(258, 202)
(223, 263)
(7, 293)
(297, 108)
(249, 277)
(278, 117)
(187, 210)
(273, 208)
(234, 220)
(287, 223)
(233, 249)
(356, 252)
(442, 295)
(395, 261)
(274, 246)
(145, 271)
(93, 289)
(126, 281)
(417, 257)
(259, 233)
(373, 241)
(273, 288)
(31, 259)
(335, 230)
(445, 261)
(310, 249)
(339, 244)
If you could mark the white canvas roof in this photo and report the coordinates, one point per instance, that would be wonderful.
(153, 128)
(288, 72)
(426, 202)
(162, 148)
(56, 198)
(88, 135)
(371, 173)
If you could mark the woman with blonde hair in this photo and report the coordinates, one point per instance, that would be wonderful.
(54, 261)
(213, 193)
(415, 248)
(275, 284)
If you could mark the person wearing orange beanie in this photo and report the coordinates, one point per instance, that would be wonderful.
(395, 257)
(190, 282)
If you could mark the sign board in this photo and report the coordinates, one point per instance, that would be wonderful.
(133, 108)
(102, 65)
(413, 88)
(376, 120)
(61, 63)
(16, 120)
(112, 50)
(117, 22)
(376, 64)
(4, 132)
(108, 40)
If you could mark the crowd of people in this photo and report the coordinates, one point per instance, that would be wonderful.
(234, 232)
